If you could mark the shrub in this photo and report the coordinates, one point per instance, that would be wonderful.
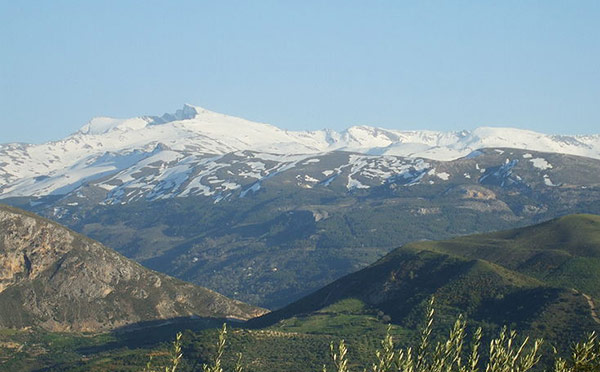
(504, 353)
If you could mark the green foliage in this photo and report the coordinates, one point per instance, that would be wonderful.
(216, 365)
(584, 357)
(174, 360)
(338, 357)
(387, 355)
(504, 354)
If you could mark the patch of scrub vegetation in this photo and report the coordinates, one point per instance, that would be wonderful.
(455, 353)
(463, 349)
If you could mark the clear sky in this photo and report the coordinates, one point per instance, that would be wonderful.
(440, 65)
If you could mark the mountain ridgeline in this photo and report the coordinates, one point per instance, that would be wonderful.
(56, 279)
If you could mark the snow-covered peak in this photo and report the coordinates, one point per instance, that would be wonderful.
(195, 131)
(102, 125)
(188, 112)
(505, 134)
(365, 136)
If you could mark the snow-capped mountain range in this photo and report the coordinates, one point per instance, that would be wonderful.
(183, 151)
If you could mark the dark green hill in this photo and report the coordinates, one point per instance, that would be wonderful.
(487, 277)
(59, 280)
(564, 252)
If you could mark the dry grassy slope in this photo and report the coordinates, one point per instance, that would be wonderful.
(62, 281)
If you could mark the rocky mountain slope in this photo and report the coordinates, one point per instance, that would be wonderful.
(59, 280)
(542, 279)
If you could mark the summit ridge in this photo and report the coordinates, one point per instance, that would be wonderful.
(58, 167)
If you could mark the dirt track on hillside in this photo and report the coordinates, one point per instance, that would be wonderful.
(592, 308)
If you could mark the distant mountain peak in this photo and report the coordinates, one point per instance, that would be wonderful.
(103, 125)
(187, 112)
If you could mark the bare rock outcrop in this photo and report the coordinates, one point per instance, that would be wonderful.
(62, 281)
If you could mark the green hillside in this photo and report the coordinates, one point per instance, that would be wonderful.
(540, 279)
(563, 252)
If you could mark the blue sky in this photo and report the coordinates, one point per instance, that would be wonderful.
(440, 65)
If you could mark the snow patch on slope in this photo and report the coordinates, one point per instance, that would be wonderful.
(117, 148)
(540, 163)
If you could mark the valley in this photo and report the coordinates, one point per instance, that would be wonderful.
(491, 278)
(248, 243)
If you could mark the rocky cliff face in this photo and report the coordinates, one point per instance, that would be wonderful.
(63, 281)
